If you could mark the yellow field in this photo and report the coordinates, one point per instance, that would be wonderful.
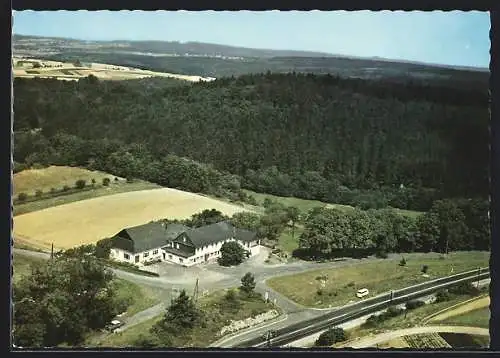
(90, 220)
(31, 180)
(23, 68)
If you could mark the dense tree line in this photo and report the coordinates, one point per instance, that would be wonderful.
(450, 225)
(364, 143)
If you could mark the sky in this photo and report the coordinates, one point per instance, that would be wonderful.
(451, 38)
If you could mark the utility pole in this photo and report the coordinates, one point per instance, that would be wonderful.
(392, 297)
(478, 275)
(52, 252)
(195, 293)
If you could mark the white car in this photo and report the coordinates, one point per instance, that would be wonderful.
(362, 293)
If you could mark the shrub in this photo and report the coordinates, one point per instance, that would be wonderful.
(38, 193)
(80, 184)
(402, 262)
(116, 179)
(411, 305)
(130, 180)
(442, 296)
(425, 268)
(319, 292)
(22, 196)
(321, 278)
(53, 190)
(106, 181)
(93, 181)
(331, 336)
(464, 288)
(65, 188)
(351, 284)
(392, 311)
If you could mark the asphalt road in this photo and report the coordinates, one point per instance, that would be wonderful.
(293, 332)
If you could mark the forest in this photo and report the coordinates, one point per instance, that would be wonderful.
(366, 143)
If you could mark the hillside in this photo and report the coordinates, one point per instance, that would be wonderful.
(212, 60)
(314, 137)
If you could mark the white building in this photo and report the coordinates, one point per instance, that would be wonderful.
(178, 244)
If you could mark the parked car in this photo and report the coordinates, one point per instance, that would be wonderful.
(362, 293)
(114, 325)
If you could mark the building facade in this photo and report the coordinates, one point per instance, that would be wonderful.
(178, 244)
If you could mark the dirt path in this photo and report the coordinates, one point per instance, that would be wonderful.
(461, 309)
(366, 342)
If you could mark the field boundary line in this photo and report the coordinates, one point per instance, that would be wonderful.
(428, 318)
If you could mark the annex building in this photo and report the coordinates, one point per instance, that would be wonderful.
(177, 243)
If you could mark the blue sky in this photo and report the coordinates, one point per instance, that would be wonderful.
(452, 38)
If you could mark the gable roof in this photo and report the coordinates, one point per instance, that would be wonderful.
(218, 232)
(210, 234)
(152, 235)
(155, 235)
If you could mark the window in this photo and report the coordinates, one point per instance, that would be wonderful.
(155, 252)
(137, 258)
(180, 260)
(170, 257)
(146, 254)
(126, 256)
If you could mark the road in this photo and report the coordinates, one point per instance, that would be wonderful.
(346, 313)
(384, 337)
(214, 277)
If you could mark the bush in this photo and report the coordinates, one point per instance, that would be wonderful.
(106, 181)
(411, 305)
(53, 190)
(402, 262)
(464, 288)
(38, 193)
(425, 268)
(319, 292)
(116, 179)
(22, 196)
(392, 311)
(80, 184)
(351, 284)
(93, 181)
(130, 180)
(332, 336)
(442, 296)
(66, 188)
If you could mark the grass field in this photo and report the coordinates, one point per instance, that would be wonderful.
(30, 180)
(305, 205)
(476, 318)
(68, 71)
(87, 221)
(378, 276)
(287, 242)
(216, 316)
(113, 188)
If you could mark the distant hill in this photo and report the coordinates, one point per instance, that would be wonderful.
(212, 60)
(23, 43)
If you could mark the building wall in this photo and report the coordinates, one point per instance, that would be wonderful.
(145, 256)
(212, 251)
